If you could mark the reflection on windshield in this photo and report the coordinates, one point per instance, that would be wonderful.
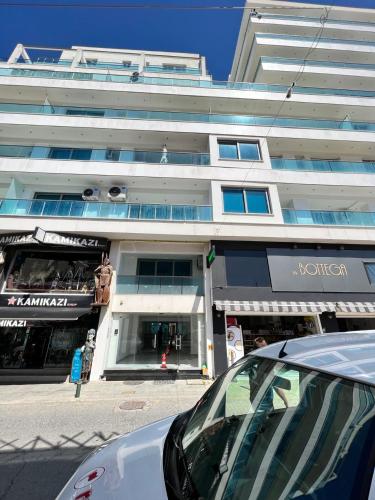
(270, 430)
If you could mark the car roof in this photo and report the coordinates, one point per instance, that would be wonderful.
(348, 354)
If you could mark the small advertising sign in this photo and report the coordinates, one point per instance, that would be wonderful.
(235, 349)
(75, 372)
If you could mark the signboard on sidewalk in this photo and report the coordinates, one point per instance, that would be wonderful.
(235, 349)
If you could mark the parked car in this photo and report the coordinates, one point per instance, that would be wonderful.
(293, 420)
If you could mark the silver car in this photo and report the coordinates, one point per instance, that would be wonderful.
(293, 420)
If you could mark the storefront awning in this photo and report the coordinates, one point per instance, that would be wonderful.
(355, 307)
(273, 306)
(42, 314)
(233, 306)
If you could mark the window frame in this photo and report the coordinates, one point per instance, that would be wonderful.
(237, 143)
(265, 190)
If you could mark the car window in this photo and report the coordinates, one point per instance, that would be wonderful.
(314, 440)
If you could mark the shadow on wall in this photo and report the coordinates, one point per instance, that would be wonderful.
(39, 469)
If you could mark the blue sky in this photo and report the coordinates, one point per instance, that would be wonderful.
(211, 33)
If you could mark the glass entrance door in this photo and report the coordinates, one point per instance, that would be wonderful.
(140, 340)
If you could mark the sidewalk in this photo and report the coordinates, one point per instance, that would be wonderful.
(104, 391)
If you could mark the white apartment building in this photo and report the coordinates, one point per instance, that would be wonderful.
(142, 156)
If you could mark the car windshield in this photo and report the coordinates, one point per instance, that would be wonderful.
(272, 430)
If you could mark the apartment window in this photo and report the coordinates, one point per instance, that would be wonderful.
(84, 112)
(164, 267)
(70, 154)
(241, 201)
(370, 270)
(58, 196)
(112, 154)
(92, 62)
(126, 64)
(235, 150)
(174, 67)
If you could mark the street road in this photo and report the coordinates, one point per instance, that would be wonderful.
(45, 433)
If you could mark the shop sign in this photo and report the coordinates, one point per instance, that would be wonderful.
(44, 301)
(51, 238)
(12, 323)
(310, 270)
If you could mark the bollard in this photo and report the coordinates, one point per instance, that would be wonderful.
(78, 389)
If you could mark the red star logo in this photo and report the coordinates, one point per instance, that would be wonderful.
(12, 301)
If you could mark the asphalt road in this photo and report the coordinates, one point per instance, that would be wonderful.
(44, 438)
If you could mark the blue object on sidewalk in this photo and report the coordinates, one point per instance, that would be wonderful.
(75, 372)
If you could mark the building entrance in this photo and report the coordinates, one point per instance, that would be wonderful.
(140, 341)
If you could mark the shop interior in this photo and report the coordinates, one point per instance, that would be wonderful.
(44, 344)
(51, 271)
(274, 328)
(351, 324)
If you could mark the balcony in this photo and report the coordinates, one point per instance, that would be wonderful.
(323, 165)
(210, 84)
(159, 285)
(108, 155)
(134, 114)
(331, 218)
(99, 210)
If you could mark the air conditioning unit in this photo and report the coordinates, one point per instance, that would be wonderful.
(118, 193)
(91, 194)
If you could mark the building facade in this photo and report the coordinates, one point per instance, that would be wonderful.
(141, 156)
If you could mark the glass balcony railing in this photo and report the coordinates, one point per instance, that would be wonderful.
(330, 218)
(165, 285)
(312, 40)
(365, 167)
(134, 114)
(327, 23)
(108, 155)
(184, 82)
(102, 210)
(333, 64)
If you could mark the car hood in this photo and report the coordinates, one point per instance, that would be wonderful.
(127, 467)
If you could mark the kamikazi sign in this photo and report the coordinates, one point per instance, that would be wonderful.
(44, 301)
(39, 236)
(12, 323)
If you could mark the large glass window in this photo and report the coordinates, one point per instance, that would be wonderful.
(47, 271)
(235, 150)
(252, 201)
(269, 430)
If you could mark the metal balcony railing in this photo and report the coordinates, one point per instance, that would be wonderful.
(159, 285)
(329, 217)
(102, 210)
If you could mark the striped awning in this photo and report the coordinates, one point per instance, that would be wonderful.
(355, 307)
(234, 306)
(273, 306)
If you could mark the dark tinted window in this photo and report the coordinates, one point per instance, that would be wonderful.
(164, 268)
(182, 268)
(247, 268)
(81, 154)
(60, 153)
(146, 267)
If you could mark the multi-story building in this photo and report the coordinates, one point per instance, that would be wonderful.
(143, 157)
(308, 265)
